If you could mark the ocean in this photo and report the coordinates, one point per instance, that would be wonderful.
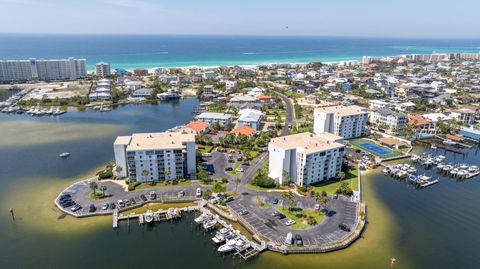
(149, 51)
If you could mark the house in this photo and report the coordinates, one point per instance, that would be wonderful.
(264, 98)
(209, 75)
(142, 93)
(99, 96)
(244, 130)
(470, 133)
(197, 127)
(422, 125)
(250, 117)
(140, 72)
(134, 85)
(213, 117)
(208, 90)
(464, 115)
(230, 85)
(239, 99)
(387, 117)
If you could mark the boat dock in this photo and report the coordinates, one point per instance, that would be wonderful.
(429, 183)
(158, 216)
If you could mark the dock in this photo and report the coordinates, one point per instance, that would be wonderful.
(115, 218)
(429, 183)
(158, 216)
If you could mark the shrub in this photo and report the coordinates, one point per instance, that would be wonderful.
(311, 220)
(224, 180)
(105, 174)
(303, 188)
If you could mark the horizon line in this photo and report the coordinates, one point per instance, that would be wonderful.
(238, 35)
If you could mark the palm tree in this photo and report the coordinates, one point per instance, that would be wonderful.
(167, 173)
(291, 201)
(324, 200)
(318, 197)
(103, 189)
(237, 181)
(94, 187)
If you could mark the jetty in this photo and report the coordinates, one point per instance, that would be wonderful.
(158, 216)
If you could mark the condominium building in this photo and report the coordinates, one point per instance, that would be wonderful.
(102, 70)
(149, 157)
(345, 121)
(306, 158)
(32, 69)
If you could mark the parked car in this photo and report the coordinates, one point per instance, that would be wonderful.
(198, 193)
(344, 227)
(243, 212)
(275, 201)
(229, 169)
(228, 199)
(143, 197)
(127, 202)
(92, 208)
(75, 208)
(105, 206)
(298, 240)
(153, 195)
(121, 203)
(289, 222)
(181, 194)
(317, 206)
(214, 200)
(246, 163)
(240, 159)
(112, 206)
(335, 196)
(240, 169)
(132, 201)
(206, 155)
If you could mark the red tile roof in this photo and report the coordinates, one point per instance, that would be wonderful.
(197, 126)
(244, 130)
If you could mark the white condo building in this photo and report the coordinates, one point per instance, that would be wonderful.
(148, 157)
(307, 158)
(57, 69)
(102, 70)
(345, 121)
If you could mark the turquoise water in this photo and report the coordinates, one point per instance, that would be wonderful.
(129, 51)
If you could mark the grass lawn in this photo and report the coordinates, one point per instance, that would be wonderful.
(357, 144)
(331, 186)
(205, 149)
(301, 223)
(254, 154)
(162, 185)
(156, 207)
(234, 172)
(97, 196)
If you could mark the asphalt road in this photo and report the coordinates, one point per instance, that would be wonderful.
(289, 113)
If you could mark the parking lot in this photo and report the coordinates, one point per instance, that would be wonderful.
(341, 211)
(80, 194)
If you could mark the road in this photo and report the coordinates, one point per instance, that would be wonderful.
(289, 113)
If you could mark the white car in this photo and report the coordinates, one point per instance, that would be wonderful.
(317, 206)
(199, 192)
(240, 169)
(289, 222)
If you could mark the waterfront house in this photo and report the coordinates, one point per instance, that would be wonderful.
(197, 128)
(142, 93)
(244, 130)
(422, 125)
(213, 117)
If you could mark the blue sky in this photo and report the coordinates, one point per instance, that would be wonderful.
(381, 18)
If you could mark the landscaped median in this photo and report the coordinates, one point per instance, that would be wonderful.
(160, 184)
(304, 218)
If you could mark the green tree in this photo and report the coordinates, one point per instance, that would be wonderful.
(291, 200)
(324, 200)
(103, 189)
(237, 181)
(201, 173)
(94, 186)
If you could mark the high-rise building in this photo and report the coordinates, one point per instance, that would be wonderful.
(57, 69)
(147, 157)
(345, 121)
(102, 70)
(305, 158)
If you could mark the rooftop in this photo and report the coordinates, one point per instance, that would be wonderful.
(243, 130)
(152, 141)
(343, 110)
(214, 115)
(197, 126)
(308, 142)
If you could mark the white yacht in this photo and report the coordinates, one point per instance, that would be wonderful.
(64, 155)
(148, 216)
(229, 246)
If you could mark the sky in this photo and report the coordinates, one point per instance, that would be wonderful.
(368, 18)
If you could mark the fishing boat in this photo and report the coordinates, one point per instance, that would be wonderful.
(207, 225)
(202, 218)
(454, 172)
(449, 142)
(462, 173)
(473, 169)
(64, 155)
(227, 247)
(440, 166)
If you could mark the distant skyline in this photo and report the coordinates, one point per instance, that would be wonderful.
(367, 18)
